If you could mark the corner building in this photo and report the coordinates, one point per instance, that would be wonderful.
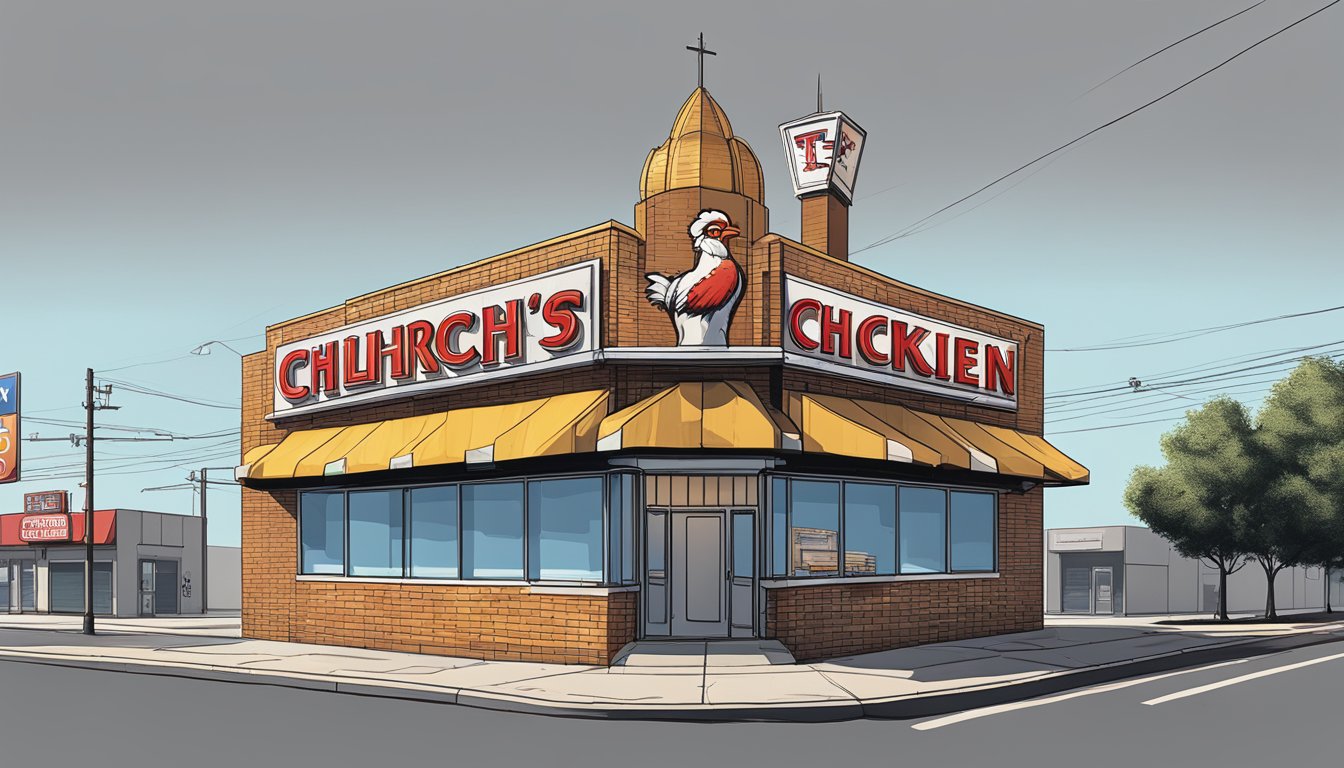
(688, 428)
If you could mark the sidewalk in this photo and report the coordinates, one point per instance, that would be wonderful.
(717, 680)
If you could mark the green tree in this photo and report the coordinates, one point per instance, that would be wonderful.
(1203, 496)
(1300, 432)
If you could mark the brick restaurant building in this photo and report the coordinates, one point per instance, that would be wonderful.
(689, 427)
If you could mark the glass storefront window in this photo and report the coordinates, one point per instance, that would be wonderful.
(779, 527)
(565, 529)
(870, 529)
(322, 533)
(814, 535)
(433, 524)
(923, 529)
(492, 531)
(743, 547)
(971, 531)
(621, 545)
(375, 532)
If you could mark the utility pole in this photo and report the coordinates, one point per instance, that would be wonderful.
(91, 404)
(88, 502)
(205, 549)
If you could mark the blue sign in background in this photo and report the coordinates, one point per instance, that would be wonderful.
(9, 394)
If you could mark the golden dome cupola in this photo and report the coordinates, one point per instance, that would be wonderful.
(701, 151)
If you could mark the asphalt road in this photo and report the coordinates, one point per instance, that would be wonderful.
(54, 716)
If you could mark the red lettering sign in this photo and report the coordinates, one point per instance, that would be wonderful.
(44, 528)
(896, 347)
(529, 322)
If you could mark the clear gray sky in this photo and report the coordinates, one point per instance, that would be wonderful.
(174, 172)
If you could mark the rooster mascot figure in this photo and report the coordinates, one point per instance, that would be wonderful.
(701, 300)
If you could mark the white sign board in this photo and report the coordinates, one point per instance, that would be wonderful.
(823, 151)
(838, 332)
(525, 326)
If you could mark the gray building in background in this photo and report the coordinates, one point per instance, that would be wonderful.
(226, 579)
(1128, 570)
(145, 564)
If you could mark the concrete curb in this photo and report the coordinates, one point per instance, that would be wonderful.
(908, 706)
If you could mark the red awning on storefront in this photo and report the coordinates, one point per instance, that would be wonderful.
(104, 529)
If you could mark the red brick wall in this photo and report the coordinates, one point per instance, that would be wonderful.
(485, 622)
(490, 622)
(841, 619)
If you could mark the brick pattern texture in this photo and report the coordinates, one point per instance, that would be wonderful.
(841, 619)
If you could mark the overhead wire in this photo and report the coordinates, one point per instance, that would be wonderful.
(143, 390)
(1195, 333)
(905, 231)
(1212, 370)
(1206, 365)
(1160, 51)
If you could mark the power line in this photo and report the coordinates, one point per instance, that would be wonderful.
(180, 357)
(1214, 364)
(1113, 426)
(905, 232)
(1106, 411)
(140, 461)
(141, 390)
(1069, 406)
(1173, 45)
(1157, 378)
(187, 462)
(1242, 373)
(1195, 333)
(117, 459)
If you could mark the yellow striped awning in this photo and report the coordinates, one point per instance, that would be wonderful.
(547, 426)
(888, 432)
(710, 414)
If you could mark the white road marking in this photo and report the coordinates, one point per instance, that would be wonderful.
(1242, 679)
(972, 714)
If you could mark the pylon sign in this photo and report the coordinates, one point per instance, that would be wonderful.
(824, 151)
(9, 428)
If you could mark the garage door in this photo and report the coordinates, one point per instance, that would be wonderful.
(66, 584)
(1077, 596)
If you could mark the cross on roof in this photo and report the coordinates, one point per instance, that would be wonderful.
(700, 52)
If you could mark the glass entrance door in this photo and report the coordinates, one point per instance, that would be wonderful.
(742, 583)
(146, 587)
(700, 573)
(1101, 592)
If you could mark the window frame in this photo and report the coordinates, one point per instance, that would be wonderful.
(604, 485)
(770, 493)
(409, 529)
(993, 532)
(345, 519)
(608, 579)
(462, 537)
(298, 538)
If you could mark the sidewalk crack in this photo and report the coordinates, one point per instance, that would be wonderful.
(828, 679)
(704, 676)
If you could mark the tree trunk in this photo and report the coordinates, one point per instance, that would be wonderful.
(1271, 573)
(1328, 609)
(1222, 591)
